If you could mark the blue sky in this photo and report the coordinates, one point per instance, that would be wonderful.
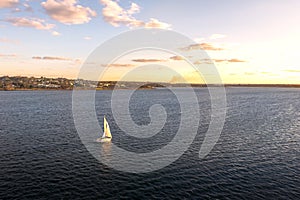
(260, 38)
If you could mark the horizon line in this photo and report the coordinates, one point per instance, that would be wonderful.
(187, 83)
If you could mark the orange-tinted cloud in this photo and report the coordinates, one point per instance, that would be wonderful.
(203, 61)
(210, 61)
(30, 22)
(220, 60)
(52, 58)
(176, 58)
(202, 46)
(233, 60)
(197, 62)
(154, 23)
(149, 60)
(68, 11)
(8, 3)
(8, 55)
(120, 65)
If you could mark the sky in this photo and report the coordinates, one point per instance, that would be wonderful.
(252, 42)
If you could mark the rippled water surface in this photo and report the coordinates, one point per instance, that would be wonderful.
(256, 157)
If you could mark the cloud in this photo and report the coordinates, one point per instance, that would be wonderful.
(51, 58)
(33, 23)
(54, 58)
(37, 58)
(55, 33)
(68, 11)
(115, 15)
(16, 10)
(176, 58)
(148, 60)
(220, 60)
(203, 61)
(28, 8)
(233, 60)
(120, 65)
(202, 46)
(216, 36)
(77, 61)
(210, 61)
(197, 62)
(87, 38)
(154, 23)
(8, 55)
(8, 3)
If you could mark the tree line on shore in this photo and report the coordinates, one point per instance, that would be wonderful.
(44, 83)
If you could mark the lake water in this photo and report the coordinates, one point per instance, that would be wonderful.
(256, 157)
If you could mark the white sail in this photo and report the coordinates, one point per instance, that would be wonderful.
(107, 133)
(106, 129)
(106, 137)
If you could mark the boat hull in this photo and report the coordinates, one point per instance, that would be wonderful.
(105, 139)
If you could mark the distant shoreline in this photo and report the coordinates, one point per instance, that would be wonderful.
(19, 83)
(202, 86)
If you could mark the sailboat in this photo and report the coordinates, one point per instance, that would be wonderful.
(106, 137)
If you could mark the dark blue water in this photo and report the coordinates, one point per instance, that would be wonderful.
(256, 157)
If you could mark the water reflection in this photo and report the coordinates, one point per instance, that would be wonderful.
(106, 151)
